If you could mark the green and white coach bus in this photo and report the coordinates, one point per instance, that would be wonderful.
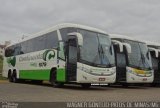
(133, 60)
(155, 54)
(66, 53)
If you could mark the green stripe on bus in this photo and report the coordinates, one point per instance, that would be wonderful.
(42, 75)
(61, 75)
(35, 74)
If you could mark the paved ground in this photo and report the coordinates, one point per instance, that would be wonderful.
(46, 93)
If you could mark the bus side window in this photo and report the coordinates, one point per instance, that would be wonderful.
(61, 51)
(17, 49)
(9, 51)
(51, 40)
(24, 47)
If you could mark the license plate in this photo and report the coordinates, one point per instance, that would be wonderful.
(144, 79)
(102, 79)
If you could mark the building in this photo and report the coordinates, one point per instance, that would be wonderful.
(3, 46)
(1, 49)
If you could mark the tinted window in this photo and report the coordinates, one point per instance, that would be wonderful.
(30, 45)
(24, 46)
(135, 56)
(51, 40)
(46, 41)
(17, 49)
(9, 51)
(96, 48)
(39, 43)
(89, 50)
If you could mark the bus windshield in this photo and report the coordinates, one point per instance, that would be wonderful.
(158, 47)
(140, 56)
(97, 49)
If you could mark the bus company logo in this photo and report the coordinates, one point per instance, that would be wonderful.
(12, 61)
(48, 55)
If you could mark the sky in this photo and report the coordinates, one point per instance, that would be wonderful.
(136, 18)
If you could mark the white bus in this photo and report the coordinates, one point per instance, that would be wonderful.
(133, 60)
(66, 53)
(155, 54)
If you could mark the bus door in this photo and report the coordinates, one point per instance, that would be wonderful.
(155, 64)
(121, 67)
(159, 64)
(121, 63)
(71, 59)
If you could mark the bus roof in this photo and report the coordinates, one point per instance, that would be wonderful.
(59, 26)
(117, 36)
(149, 43)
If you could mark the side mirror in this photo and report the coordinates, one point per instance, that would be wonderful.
(128, 47)
(79, 37)
(115, 42)
(155, 51)
(148, 54)
(111, 47)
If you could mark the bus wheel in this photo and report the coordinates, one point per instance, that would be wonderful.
(86, 85)
(53, 81)
(58, 85)
(14, 77)
(125, 85)
(10, 76)
(154, 84)
(109, 85)
(39, 82)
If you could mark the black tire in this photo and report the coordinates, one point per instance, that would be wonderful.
(154, 84)
(37, 82)
(21, 81)
(53, 78)
(58, 85)
(14, 77)
(86, 86)
(109, 85)
(125, 85)
(10, 76)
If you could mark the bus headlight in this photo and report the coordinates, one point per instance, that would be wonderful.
(113, 70)
(131, 71)
(86, 70)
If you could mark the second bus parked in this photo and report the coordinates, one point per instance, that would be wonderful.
(155, 54)
(133, 60)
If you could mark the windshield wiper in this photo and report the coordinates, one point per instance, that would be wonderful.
(96, 56)
(103, 56)
(144, 61)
